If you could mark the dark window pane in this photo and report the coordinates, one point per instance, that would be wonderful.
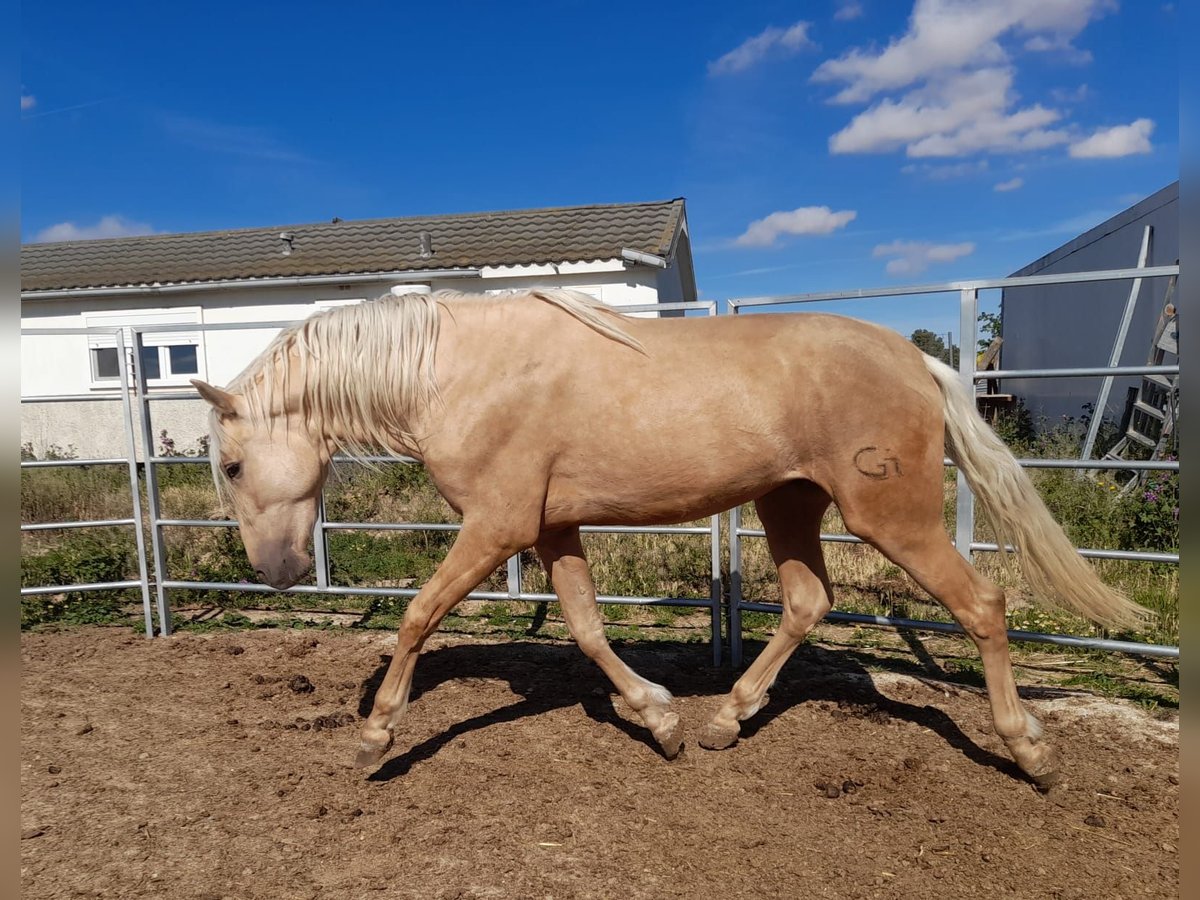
(105, 362)
(150, 366)
(183, 360)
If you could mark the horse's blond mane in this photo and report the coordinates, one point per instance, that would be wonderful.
(366, 371)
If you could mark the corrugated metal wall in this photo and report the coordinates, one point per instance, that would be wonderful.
(1075, 325)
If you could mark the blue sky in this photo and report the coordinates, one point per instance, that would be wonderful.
(825, 145)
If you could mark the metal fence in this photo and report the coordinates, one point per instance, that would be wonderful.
(129, 461)
(964, 536)
(161, 583)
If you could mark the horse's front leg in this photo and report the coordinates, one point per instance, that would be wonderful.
(562, 554)
(476, 553)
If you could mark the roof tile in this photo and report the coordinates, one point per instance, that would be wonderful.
(513, 237)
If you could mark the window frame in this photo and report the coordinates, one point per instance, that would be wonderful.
(162, 342)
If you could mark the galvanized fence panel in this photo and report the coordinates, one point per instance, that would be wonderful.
(964, 541)
(968, 292)
(129, 461)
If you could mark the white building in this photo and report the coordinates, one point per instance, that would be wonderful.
(623, 254)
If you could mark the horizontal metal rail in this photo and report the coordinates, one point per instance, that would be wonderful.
(1028, 462)
(59, 463)
(1087, 372)
(441, 526)
(1062, 640)
(409, 593)
(586, 529)
(1151, 465)
(74, 398)
(54, 526)
(983, 284)
(1087, 552)
(68, 588)
(1092, 553)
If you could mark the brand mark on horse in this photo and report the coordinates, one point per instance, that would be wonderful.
(867, 461)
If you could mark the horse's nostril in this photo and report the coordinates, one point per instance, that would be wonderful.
(262, 576)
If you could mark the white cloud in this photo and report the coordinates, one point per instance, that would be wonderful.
(805, 220)
(947, 35)
(944, 87)
(28, 101)
(754, 50)
(951, 117)
(913, 257)
(1120, 140)
(1011, 185)
(106, 227)
(847, 10)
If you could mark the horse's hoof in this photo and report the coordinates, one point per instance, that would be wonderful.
(1046, 782)
(368, 759)
(370, 754)
(670, 736)
(1037, 760)
(716, 737)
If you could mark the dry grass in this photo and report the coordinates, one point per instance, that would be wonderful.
(638, 564)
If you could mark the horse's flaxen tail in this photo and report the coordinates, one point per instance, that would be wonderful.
(1055, 571)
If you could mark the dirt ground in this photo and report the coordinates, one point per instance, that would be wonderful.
(212, 765)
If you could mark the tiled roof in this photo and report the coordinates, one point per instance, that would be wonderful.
(512, 237)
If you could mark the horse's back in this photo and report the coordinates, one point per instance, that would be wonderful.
(717, 411)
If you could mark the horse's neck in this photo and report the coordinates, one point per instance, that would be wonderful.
(346, 432)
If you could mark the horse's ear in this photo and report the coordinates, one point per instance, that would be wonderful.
(221, 401)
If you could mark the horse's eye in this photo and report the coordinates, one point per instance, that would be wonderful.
(233, 470)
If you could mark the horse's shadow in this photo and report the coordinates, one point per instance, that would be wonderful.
(549, 677)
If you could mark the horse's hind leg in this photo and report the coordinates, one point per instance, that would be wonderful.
(921, 547)
(562, 554)
(791, 516)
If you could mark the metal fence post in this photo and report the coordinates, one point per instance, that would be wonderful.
(514, 576)
(321, 544)
(131, 453)
(964, 518)
(735, 587)
(1114, 358)
(152, 499)
(715, 592)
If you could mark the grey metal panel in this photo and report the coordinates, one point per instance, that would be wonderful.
(1074, 325)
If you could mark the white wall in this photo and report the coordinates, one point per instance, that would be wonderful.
(60, 364)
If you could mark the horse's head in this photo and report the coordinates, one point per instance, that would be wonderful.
(272, 468)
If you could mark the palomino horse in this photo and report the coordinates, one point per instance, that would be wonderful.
(539, 412)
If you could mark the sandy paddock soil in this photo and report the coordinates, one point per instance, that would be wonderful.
(215, 765)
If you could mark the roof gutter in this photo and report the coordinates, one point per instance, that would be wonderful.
(296, 281)
(646, 259)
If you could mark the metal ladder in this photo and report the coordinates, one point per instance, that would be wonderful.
(1153, 411)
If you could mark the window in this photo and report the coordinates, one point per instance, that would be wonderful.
(168, 358)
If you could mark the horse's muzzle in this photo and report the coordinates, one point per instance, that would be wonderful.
(290, 570)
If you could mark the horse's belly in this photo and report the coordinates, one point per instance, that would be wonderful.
(651, 495)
